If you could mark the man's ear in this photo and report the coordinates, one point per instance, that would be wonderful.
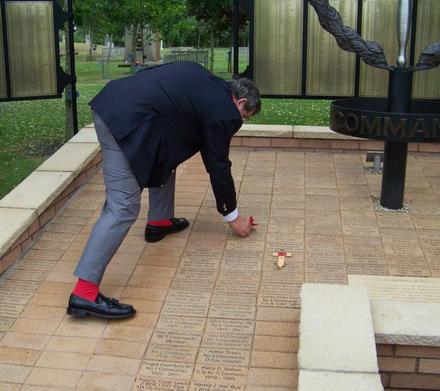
(242, 102)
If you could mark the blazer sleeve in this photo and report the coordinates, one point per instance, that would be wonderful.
(215, 155)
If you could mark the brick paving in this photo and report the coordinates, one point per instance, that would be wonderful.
(214, 312)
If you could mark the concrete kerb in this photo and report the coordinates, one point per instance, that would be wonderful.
(27, 205)
(341, 325)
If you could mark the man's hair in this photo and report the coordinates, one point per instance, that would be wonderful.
(245, 88)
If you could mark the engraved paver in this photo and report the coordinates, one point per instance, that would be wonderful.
(214, 311)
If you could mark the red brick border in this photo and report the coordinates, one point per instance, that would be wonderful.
(404, 367)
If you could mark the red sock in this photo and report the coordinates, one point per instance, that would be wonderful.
(86, 290)
(160, 223)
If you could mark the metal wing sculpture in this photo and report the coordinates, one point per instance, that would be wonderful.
(347, 38)
(430, 57)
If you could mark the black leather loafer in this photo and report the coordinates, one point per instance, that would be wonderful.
(102, 307)
(154, 234)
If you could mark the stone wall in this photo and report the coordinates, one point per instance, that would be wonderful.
(412, 368)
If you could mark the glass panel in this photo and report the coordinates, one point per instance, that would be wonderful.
(3, 92)
(379, 24)
(330, 70)
(427, 83)
(278, 46)
(31, 48)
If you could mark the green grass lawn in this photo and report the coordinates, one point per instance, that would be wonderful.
(30, 131)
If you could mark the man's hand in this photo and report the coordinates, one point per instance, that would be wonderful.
(242, 226)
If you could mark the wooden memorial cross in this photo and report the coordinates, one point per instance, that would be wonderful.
(281, 257)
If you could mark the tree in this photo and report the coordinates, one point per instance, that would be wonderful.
(215, 16)
(98, 17)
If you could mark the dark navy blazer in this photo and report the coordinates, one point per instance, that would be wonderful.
(162, 116)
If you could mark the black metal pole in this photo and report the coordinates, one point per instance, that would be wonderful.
(236, 36)
(72, 66)
(395, 154)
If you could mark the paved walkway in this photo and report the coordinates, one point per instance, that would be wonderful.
(214, 312)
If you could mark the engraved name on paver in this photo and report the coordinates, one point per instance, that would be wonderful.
(10, 310)
(325, 272)
(237, 326)
(166, 370)
(178, 331)
(217, 356)
(374, 269)
(186, 303)
(171, 353)
(194, 285)
(231, 311)
(144, 384)
(203, 386)
(220, 374)
(233, 341)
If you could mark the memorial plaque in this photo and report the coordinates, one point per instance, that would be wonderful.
(427, 83)
(376, 26)
(324, 58)
(34, 71)
(212, 356)
(145, 384)
(401, 289)
(230, 341)
(186, 303)
(233, 326)
(220, 374)
(331, 273)
(158, 352)
(3, 91)
(166, 370)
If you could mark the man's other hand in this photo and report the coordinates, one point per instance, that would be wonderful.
(242, 226)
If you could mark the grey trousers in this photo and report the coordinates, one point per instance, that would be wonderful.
(121, 207)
